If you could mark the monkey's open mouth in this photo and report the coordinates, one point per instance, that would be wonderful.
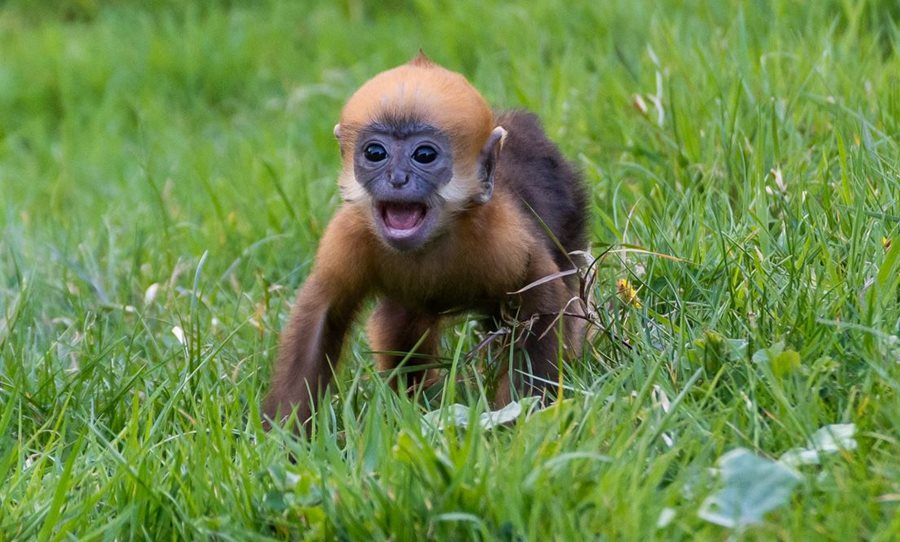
(402, 218)
(405, 225)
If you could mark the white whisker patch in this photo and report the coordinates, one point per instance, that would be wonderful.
(461, 190)
(351, 191)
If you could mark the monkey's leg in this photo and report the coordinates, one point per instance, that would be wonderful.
(548, 338)
(395, 328)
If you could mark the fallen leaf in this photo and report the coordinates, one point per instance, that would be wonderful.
(752, 487)
(458, 415)
(829, 439)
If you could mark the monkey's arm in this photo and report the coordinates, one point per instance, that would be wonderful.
(311, 342)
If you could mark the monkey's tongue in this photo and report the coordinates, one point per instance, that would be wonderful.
(403, 216)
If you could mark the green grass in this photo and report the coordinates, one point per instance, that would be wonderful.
(190, 147)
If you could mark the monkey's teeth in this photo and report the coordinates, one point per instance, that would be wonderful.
(403, 216)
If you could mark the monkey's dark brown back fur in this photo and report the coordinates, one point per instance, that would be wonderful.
(532, 167)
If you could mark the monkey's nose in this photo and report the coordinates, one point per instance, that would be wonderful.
(399, 181)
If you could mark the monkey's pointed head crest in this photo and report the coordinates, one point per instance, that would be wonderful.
(426, 92)
(421, 59)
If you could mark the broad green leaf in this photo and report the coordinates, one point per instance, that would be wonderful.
(785, 363)
(782, 362)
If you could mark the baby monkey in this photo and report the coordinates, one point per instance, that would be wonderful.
(448, 207)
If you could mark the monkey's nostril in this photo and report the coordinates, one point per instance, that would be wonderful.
(399, 181)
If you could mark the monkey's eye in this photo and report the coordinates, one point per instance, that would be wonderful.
(424, 154)
(375, 153)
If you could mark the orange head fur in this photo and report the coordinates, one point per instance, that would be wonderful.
(425, 92)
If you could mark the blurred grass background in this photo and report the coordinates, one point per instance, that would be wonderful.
(170, 164)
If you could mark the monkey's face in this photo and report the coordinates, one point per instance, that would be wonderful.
(403, 168)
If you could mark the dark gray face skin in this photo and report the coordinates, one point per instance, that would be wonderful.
(402, 167)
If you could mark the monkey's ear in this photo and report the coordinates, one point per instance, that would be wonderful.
(490, 153)
(337, 135)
